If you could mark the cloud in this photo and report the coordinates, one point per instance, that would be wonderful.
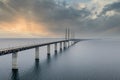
(55, 16)
(114, 7)
(49, 17)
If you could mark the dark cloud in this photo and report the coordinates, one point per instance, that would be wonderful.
(110, 24)
(5, 13)
(111, 7)
(57, 16)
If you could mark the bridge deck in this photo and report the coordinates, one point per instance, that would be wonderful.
(17, 49)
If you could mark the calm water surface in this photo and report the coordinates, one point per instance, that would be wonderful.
(87, 60)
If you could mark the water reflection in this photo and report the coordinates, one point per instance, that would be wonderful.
(48, 59)
(15, 75)
(87, 61)
(32, 74)
(37, 71)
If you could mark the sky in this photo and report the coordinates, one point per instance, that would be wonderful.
(49, 18)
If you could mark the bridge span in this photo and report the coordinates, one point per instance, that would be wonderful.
(64, 44)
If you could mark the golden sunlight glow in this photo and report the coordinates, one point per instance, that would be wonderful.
(25, 27)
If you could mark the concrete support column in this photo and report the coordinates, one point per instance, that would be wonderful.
(64, 45)
(37, 53)
(14, 61)
(60, 46)
(55, 47)
(48, 50)
(68, 43)
(72, 42)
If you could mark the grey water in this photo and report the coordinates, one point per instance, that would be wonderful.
(86, 60)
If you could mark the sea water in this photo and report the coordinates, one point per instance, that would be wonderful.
(87, 60)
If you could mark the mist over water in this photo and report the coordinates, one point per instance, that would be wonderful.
(87, 60)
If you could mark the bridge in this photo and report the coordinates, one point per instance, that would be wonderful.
(64, 44)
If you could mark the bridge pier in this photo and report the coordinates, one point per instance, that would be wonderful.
(60, 46)
(71, 43)
(37, 53)
(68, 44)
(14, 61)
(55, 47)
(14, 51)
(48, 50)
(64, 45)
